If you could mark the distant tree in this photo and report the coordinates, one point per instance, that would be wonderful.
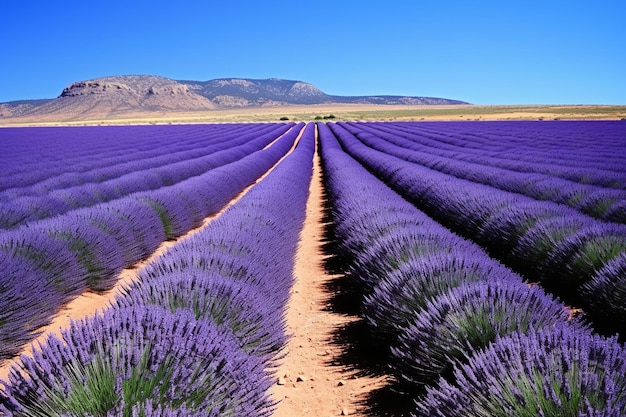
(284, 118)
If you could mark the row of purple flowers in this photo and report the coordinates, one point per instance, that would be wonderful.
(39, 160)
(608, 204)
(74, 189)
(577, 257)
(198, 333)
(463, 333)
(587, 152)
(49, 262)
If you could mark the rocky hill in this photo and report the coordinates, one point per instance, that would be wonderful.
(241, 92)
(134, 94)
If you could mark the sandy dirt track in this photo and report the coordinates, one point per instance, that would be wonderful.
(311, 379)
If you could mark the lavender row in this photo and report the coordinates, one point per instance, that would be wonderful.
(195, 334)
(138, 361)
(238, 270)
(549, 372)
(21, 210)
(399, 257)
(590, 143)
(53, 260)
(547, 242)
(439, 301)
(599, 202)
(56, 149)
(605, 173)
(577, 150)
(164, 145)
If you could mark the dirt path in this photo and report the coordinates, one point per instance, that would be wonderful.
(308, 380)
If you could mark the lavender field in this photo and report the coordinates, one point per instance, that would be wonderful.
(487, 261)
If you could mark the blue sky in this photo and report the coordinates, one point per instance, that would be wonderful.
(483, 52)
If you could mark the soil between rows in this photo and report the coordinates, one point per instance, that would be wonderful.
(312, 379)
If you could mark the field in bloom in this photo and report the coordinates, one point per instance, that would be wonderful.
(469, 246)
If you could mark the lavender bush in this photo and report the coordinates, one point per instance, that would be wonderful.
(138, 354)
(605, 295)
(405, 292)
(98, 251)
(466, 319)
(225, 301)
(561, 372)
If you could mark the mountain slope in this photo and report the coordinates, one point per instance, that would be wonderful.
(239, 92)
(117, 96)
(20, 107)
(111, 96)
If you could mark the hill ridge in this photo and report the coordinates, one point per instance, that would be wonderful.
(117, 95)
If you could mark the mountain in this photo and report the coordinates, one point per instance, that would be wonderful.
(242, 92)
(117, 96)
(19, 108)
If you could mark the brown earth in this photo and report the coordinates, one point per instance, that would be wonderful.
(310, 379)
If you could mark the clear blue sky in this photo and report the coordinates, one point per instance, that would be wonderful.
(484, 52)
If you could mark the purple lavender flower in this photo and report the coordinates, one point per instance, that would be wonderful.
(29, 300)
(97, 250)
(616, 213)
(466, 319)
(535, 247)
(54, 259)
(605, 296)
(137, 228)
(139, 354)
(578, 257)
(255, 320)
(405, 292)
(553, 372)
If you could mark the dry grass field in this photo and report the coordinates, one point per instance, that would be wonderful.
(345, 112)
